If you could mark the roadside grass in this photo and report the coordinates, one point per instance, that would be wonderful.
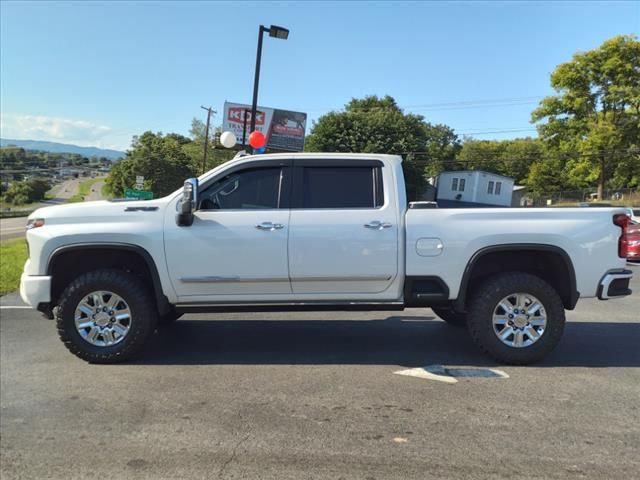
(22, 206)
(106, 193)
(84, 188)
(13, 254)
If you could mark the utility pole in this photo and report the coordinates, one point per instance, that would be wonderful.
(206, 136)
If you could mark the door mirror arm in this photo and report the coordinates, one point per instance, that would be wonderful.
(188, 203)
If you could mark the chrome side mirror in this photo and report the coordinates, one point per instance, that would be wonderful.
(188, 204)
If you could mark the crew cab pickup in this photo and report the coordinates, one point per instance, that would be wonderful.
(316, 232)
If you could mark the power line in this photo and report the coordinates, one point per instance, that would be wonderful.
(489, 132)
(447, 105)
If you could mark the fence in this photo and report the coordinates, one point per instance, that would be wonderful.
(620, 196)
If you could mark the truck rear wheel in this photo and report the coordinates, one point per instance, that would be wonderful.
(450, 316)
(105, 316)
(516, 318)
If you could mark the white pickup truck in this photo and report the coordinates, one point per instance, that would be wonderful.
(316, 232)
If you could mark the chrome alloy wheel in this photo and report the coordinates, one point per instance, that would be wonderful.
(103, 318)
(519, 320)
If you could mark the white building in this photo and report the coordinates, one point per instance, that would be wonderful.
(473, 187)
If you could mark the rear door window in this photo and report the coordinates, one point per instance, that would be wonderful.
(341, 187)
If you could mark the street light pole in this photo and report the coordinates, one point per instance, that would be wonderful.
(256, 78)
(276, 32)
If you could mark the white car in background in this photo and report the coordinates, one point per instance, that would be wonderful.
(633, 214)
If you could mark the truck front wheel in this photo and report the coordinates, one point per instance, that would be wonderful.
(516, 318)
(105, 316)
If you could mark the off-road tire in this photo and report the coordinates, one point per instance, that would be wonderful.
(143, 313)
(450, 316)
(485, 300)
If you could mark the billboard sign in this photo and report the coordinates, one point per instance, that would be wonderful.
(283, 129)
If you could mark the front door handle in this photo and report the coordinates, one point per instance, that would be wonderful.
(377, 225)
(269, 226)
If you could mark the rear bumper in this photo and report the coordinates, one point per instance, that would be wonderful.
(35, 290)
(614, 284)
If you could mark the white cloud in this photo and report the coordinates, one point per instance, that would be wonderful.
(63, 130)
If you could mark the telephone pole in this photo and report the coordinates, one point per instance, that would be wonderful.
(206, 136)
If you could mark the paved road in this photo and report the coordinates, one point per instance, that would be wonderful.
(313, 396)
(11, 228)
(96, 192)
(64, 190)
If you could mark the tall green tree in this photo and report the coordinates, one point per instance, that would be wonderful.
(377, 125)
(161, 159)
(594, 118)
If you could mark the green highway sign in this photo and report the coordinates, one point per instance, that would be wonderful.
(138, 194)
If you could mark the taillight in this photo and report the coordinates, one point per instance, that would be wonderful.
(622, 220)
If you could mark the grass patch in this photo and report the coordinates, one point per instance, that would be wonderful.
(105, 192)
(84, 188)
(22, 206)
(13, 254)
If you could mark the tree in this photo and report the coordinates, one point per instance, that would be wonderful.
(545, 176)
(441, 148)
(195, 149)
(17, 193)
(378, 125)
(512, 158)
(160, 158)
(594, 119)
(33, 190)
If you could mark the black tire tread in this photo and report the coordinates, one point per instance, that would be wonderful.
(484, 300)
(145, 316)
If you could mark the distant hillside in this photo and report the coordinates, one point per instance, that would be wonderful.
(62, 148)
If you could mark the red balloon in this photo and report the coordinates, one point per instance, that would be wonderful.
(257, 139)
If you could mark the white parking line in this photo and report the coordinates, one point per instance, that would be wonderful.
(14, 307)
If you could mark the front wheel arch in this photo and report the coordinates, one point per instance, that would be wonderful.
(67, 263)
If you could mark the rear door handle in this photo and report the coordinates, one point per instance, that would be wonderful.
(377, 225)
(269, 226)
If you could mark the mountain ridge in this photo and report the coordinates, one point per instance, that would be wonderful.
(56, 147)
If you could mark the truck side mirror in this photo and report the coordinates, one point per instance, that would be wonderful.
(188, 203)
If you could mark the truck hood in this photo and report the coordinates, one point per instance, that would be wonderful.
(104, 210)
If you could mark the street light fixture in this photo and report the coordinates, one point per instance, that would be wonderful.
(278, 32)
(275, 32)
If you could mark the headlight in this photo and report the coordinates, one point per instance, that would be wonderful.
(35, 223)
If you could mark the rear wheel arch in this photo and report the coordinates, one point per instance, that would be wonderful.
(549, 262)
(68, 262)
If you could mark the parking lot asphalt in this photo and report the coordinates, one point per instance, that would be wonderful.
(314, 396)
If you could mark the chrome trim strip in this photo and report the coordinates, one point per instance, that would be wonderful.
(233, 279)
(238, 279)
(356, 278)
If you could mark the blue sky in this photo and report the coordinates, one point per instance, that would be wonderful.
(96, 73)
